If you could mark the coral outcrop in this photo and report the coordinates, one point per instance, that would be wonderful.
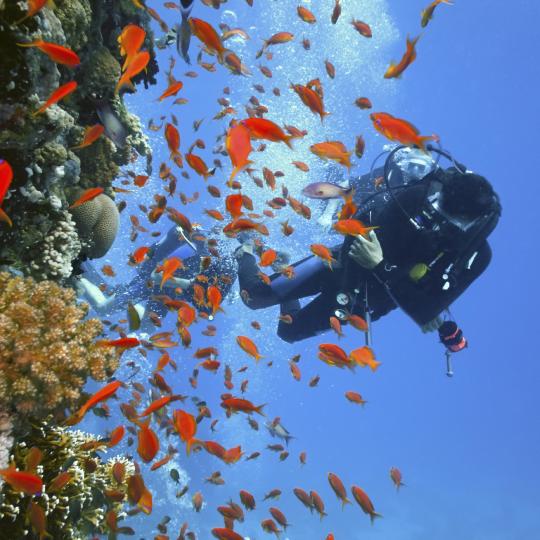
(43, 242)
(47, 349)
(78, 509)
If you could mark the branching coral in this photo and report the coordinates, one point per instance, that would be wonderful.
(47, 350)
(78, 508)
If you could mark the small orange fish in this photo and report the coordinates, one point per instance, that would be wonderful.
(233, 405)
(352, 227)
(130, 40)
(364, 501)
(104, 393)
(148, 445)
(34, 6)
(395, 70)
(395, 475)
(233, 204)
(238, 146)
(88, 195)
(137, 64)
(357, 322)
(186, 426)
(319, 250)
(276, 39)
(335, 325)
(336, 12)
(172, 136)
(364, 356)
(362, 28)
(173, 89)
(214, 297)
(311, 99)
(6, 176)
(249, 347)
(306, 15)
(334, 151)
(24, 482)
(139, 254)
(261, 128)
(359, 146)
(158, 404)
(169, 267)
(355, 397)
(216, 214)
(333, 355)
(91, 135)
(339, 489)
(116, 436)
(268, 257)
(399, 130)
(57, 53)
(427, 14)
(59, 482)
(207, 34)
(199, 166)
(59, 94)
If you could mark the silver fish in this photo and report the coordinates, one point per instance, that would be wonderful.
(183, 31)
(114, 129)
(325, 190)
(277, 430)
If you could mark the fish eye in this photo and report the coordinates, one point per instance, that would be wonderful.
(320, 192)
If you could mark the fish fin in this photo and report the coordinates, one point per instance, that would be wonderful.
(374, 515)
(344, 502)
(260, 408)
(5, 218)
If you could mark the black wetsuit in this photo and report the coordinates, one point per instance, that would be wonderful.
(389, 284)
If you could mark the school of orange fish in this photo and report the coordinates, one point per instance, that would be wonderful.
(240, 135)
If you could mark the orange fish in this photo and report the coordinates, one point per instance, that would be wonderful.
(172, 136)
(158, 404)
(59, 482)
(362, 28)
(137, 64)
(311, 99)
(241, 224)
(130, 41)
(60, 93)
(364, 356)
(216, 214)
(268, 257)
(233, 204)
(352, 227)
(180, 219)
(334, 151)
(357, 322)
(38, 519)
(139, 254)
(399, 130)
(57, 53)
(116, 436)
(214, 297)
(232, 455)
(355, 397)
(169, 267)
(6, 176)
(148, 445)
(335, 325)
(261, 128)
(336, 12)
(359, 146)
(339, 489)
(24, 482)
(101, 395)
(173, 89)
(199, 166)
(306, 15)
(427, 14)
(276, 39)
(238, 146)
(319, 250)
(232, 404)
(395, 475)
(248, 346)
(395, 70)
(88, 195)
(333, 355)
(365, 503)
(207, 34)
(122, 343)
(91, 135)
(34, 6)
(186, 426)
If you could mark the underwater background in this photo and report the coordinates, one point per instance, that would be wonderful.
(467, 446)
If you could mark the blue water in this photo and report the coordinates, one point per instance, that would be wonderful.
(468, 446)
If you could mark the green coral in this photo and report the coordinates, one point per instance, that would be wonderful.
(47, 349)
(78, 509)
(75, 17)
(52, 153)
(101, 73)
(97, 164)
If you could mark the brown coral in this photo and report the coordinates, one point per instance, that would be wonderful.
(47, 349)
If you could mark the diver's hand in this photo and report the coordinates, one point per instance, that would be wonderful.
(367, 252)
(433, 325)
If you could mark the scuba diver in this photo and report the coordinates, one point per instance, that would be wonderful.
(429, 245)
(144, 291)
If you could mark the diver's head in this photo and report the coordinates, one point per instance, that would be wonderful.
(465, 197)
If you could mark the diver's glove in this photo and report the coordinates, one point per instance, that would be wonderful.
(367, 252)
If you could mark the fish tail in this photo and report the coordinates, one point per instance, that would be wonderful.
(344, 502)
(260, 408)
(288, 140)
(374, 515)
(31, 44)
(237, 170)
(5, 218)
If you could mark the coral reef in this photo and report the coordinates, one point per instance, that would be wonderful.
(42, 242)
(47, 350)
(78, 509)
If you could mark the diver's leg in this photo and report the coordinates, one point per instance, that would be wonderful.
(309, 279)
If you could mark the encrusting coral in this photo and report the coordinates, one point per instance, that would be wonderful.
(78, 509)
(47, 349)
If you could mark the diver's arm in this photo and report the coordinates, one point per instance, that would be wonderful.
(423, 305)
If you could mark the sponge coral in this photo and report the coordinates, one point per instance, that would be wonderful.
(77, 510)
(47, 349)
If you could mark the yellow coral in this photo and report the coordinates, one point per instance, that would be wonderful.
(47, 349)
